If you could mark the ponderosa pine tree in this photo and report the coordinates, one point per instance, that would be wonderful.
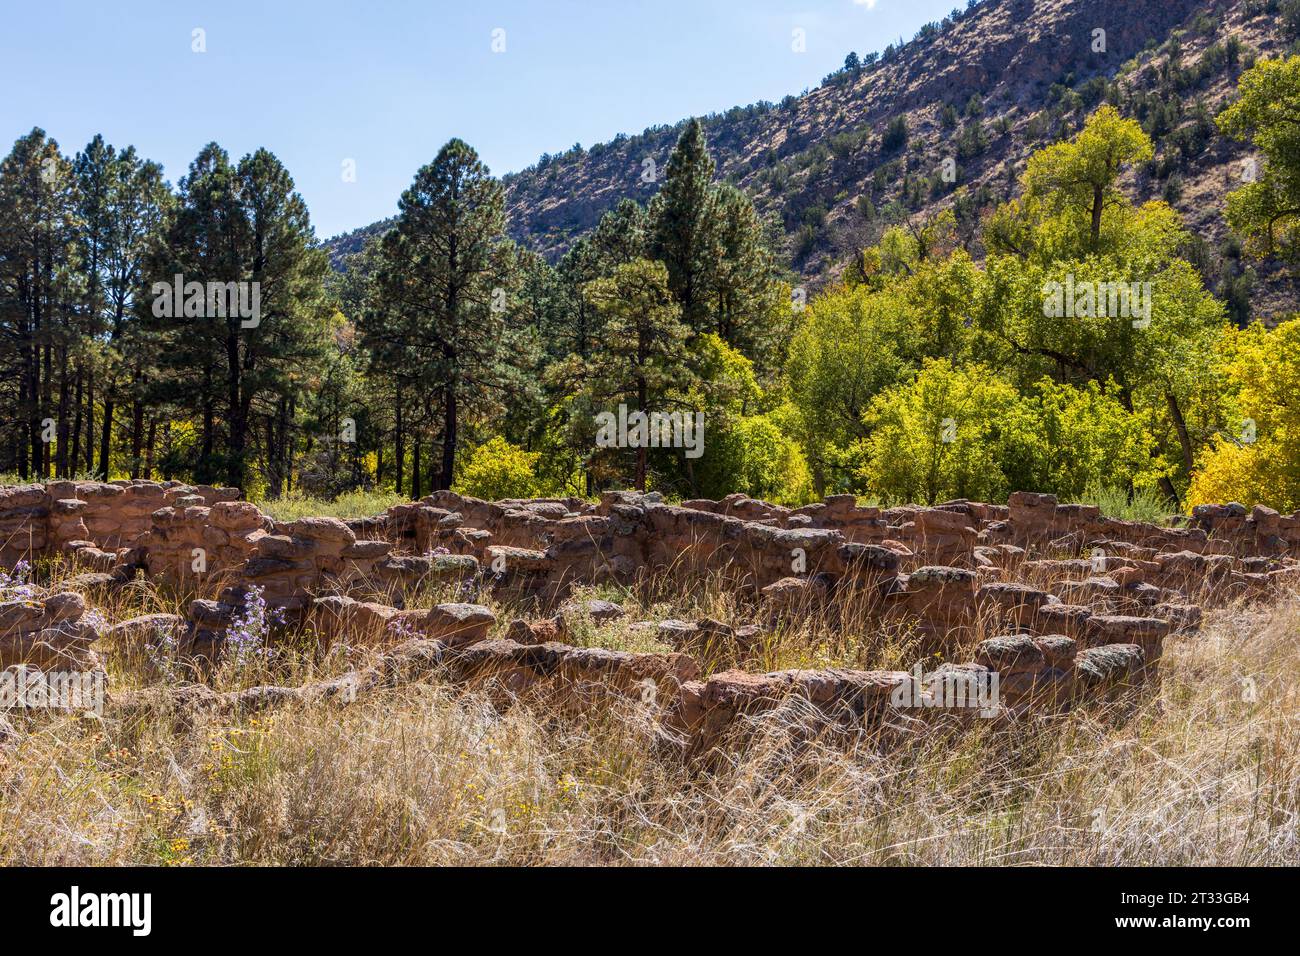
(284, 355)
(189, 350)
(642, 359)
(390, 364)
(123, 207)
(714, 246)
(38, 302)
(750, 309)
(619, 238)
(442, 264)
(681, 225)
(241, 224)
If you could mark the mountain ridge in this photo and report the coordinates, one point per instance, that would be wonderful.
(981, 89)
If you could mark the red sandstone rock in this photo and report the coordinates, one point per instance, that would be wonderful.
(47, 633)
(1153, 574)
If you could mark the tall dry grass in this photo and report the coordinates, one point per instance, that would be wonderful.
(1207, 772)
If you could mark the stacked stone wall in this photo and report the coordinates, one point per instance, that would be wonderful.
(1063, 604)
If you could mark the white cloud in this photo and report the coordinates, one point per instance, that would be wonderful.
(869, 4)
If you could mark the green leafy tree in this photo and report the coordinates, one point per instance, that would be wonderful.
(1083, 285)
(1256, 458)
(857, 340)
(953, 432)
(1069, 187)
(1088, 440)
(1266, 209)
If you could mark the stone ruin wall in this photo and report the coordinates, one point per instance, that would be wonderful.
(1078, 604)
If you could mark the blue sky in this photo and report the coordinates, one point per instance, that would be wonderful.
(386, 82)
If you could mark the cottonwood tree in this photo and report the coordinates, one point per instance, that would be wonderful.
(1068, 190)
(1075, 228)
(1266, 209)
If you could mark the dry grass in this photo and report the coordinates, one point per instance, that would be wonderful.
(1207, 773)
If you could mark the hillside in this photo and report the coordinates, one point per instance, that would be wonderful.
(985, 88)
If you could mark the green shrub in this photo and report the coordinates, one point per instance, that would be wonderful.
(354, 504)
(951, 433)
(1143, 504)
(756, 456)
(497, 469)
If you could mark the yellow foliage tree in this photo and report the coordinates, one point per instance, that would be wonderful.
(1260, 463)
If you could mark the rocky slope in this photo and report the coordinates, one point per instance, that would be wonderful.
(984, 88)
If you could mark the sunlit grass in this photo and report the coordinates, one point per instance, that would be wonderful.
(1144, 504)
(1202, 774)
(353, 504)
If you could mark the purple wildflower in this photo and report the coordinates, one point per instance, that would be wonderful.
(401, 629)
(246, 637)
(164, 652)
(16, 585)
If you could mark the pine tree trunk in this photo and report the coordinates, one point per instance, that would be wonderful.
(235, 409)
(75, 443)
(90, 421)
(167, 448)
(400, 447)
(47, 400)
(137, 437)
(415, 467)
(642, 453)
(204, 470)
(149, 446)
(106, 434)
(448, 438)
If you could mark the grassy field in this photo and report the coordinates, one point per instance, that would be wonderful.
(1207, 772)
(354, 504)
